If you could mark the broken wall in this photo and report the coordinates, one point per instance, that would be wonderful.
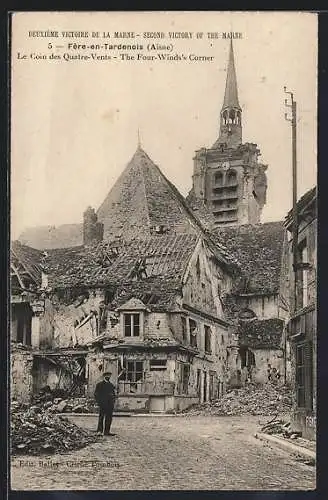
(21, 375)
(75, 323)
(47, 373)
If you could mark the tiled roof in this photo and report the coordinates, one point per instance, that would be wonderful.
(261, 334)
(141, 199)
(258, 249)
(161, 257)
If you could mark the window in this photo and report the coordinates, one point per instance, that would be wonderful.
(231, 177)
(302, 275)
(157, 364)
(193, 332)
(184, 329)
(208, 339)
(218, 178)
(132, 325)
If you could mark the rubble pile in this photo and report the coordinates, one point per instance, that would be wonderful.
(253, 399)
(282, 428)
(59, 401)
(73, 405)
(35, 430)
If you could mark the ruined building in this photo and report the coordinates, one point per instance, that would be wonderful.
(178, 298)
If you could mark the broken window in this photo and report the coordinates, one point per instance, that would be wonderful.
(132, 325)
(208, 339)
(157, 364)
(193, 332)
(132, 375)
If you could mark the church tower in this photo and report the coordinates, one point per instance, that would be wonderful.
(227, 177)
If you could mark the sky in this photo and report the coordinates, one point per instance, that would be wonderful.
(74, 125)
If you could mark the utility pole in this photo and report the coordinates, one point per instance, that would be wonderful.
(292, 119)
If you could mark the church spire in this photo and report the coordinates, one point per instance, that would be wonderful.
(231, 89)
(230, 116)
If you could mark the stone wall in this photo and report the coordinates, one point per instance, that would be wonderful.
(46, 373)
(264, 306)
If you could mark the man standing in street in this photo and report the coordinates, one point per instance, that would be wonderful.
(105, 397)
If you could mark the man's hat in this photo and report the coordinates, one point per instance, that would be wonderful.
(107, 374)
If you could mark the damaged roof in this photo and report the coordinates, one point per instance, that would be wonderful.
(307, 200)
(136, 262)
(261, 334)
(28, 259)
(258, 249)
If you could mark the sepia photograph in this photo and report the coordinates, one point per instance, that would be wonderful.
(163, 251)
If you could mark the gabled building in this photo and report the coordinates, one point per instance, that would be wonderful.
(148, 310)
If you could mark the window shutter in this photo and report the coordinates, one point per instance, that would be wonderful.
(308, 361)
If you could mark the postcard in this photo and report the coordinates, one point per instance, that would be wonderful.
(163, 250)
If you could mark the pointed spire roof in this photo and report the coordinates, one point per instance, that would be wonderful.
(143, 202)
(231, 89)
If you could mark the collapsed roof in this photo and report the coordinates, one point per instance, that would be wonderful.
(258, 249)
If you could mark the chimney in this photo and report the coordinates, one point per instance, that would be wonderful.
(93, 230)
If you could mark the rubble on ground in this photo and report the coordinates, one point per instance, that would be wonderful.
(73, 405)
(252, 399)
(36, 430)
(59, 401)
(280, 427)
(284, 429)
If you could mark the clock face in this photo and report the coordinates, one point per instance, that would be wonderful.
(225, 165)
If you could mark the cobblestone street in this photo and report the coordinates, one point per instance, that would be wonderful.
(187, 453)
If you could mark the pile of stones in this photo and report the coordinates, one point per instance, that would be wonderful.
(253, 399)
(35, 430)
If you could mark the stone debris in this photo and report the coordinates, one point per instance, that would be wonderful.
(74, 405)
(58, 401)
(36, 430)
(280, 427)
(269, 399)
